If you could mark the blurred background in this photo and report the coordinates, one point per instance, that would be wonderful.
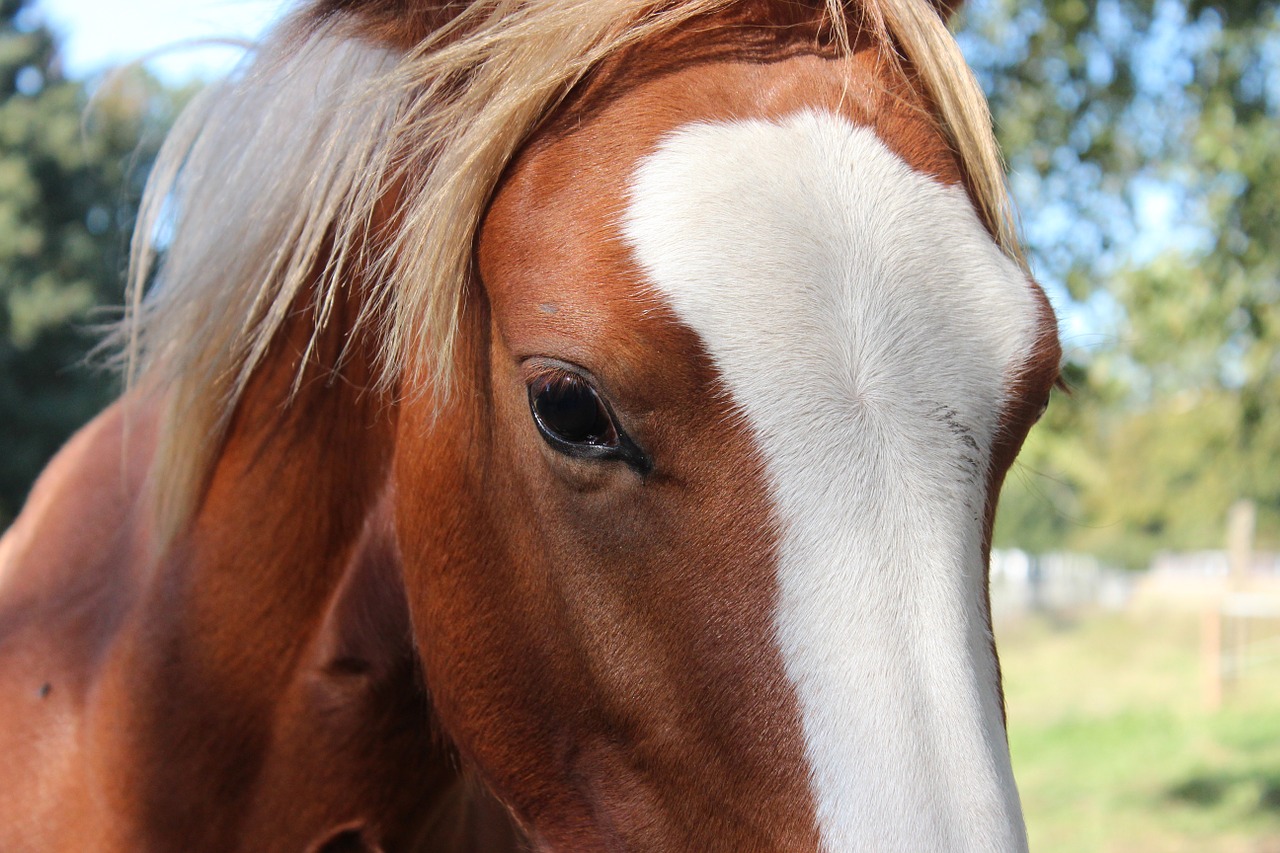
(1136, 577)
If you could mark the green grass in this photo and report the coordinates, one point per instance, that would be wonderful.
(1114, 750)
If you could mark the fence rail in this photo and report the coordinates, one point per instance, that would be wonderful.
(1240, 635)
(1024, 583)
(1237, 595)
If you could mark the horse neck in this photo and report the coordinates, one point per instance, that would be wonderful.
(296, 500)
(297, 491)
(273, 670)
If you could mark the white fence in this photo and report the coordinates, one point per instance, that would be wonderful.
(1023, 583)
(1189, 581)
(1239, 610)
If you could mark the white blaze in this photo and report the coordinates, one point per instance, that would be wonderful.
(866, 325)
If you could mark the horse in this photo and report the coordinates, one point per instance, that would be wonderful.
(552, 425)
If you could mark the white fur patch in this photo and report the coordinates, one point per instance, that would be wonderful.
(866, 325)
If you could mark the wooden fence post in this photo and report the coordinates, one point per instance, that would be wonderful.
(1211, 656)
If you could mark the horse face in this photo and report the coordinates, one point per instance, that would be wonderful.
(740, 385)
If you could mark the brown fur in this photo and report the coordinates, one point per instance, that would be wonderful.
(251, 688)
(387, 616)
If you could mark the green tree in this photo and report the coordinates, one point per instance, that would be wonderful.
(70, 178)
(1144, 139)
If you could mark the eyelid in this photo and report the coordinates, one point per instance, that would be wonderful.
(539, 367)
(549, 372)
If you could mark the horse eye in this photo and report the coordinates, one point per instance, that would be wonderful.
(568, 411)
(1044, 407)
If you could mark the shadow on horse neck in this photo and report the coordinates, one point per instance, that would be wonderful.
(674, 539)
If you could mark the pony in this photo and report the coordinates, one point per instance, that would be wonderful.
(552, 425)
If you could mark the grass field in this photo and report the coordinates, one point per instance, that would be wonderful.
(1114, 751)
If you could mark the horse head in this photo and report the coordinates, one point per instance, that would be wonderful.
(674, 356)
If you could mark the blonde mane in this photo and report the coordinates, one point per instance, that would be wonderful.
(267, 190)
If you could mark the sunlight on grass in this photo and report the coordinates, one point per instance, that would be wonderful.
(1114, 751)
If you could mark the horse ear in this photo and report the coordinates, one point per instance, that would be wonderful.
(947, 8)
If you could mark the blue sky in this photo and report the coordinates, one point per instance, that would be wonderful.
(97, 34)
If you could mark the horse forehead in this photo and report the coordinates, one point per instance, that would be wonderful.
(551, 248)
(809, 231)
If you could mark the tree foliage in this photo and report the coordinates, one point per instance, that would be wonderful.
(1145, 145)
(70, 178)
